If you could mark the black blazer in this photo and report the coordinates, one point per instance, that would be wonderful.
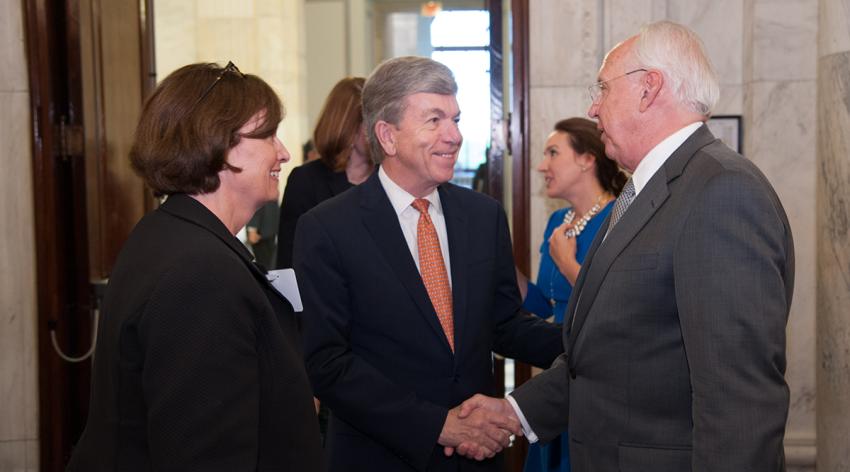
(375, 351)
(676, 357)
(307, 186)
(197, 366)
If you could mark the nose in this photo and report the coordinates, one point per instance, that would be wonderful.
(593, 111)
(544, 165)
(452, 134)
(282, 153)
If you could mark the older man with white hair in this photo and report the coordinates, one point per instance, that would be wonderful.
(675, 358)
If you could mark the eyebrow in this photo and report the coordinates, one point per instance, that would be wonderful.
(439, 112)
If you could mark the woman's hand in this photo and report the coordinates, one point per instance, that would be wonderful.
(562, 249)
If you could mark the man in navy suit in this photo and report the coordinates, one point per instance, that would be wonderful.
(398, 329)
(675, 359)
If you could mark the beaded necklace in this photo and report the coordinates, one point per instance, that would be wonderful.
(573, 232)
(579, 225)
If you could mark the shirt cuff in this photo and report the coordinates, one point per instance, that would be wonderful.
(526, 429)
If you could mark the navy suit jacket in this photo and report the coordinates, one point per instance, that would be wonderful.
(676, 357)
(307, 186)
(375, 351)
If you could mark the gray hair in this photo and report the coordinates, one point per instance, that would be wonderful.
(391, 83)
(680, 55)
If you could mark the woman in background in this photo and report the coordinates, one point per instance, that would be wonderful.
(198, 366)
(575, 169)
(340, 139)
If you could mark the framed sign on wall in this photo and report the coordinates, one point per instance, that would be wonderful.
(727, 128)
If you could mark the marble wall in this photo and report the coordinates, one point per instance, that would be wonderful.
(779, 51)
(262, 37)
(18, 381)
(833, 234)
(764, 52)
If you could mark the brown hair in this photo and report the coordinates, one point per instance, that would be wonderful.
(585, 137)
(386, 91)
(192, 120)
(339, 122)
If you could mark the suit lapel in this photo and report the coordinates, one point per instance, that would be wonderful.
(381, 222)
(603, 254)
(457, 236)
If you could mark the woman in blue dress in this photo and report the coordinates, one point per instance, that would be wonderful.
(575, 169)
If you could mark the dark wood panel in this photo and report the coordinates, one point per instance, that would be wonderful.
(508, 136)
(85, 87)
(60, 215)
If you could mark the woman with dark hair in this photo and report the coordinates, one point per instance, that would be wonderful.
(198, 365)
(340, 140)
(575, 169)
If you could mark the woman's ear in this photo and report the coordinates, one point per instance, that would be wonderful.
(385, 133)
(586, 162)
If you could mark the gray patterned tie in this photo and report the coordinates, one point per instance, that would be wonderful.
(622, 204)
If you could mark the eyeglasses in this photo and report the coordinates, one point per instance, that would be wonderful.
(230, 67)
(596, 89)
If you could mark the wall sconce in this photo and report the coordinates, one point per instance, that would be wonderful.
(431, 8)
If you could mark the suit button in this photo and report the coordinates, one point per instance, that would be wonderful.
(456, 378)
(572, 373)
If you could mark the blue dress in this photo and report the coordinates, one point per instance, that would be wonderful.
(550, 296)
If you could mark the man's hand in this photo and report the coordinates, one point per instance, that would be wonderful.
(479, 428)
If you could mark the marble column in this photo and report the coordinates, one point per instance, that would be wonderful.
(18, 365)
(780, 71)
(833, 235)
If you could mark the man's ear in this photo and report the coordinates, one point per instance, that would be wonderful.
(652, 83)
(385, 133)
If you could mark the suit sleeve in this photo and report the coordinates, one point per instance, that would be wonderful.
(355, 391)
(297, 200)
(733, 270)
(517, 334)
(200, 379)
(536, 302)
(545, 400)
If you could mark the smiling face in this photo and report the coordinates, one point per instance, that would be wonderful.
(561, 166)
(616, 110)
(421, 150)
(260, 160)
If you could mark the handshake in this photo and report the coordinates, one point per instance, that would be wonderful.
(479, 427)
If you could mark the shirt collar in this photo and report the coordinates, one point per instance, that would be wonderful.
(400, 198)
(655, 158)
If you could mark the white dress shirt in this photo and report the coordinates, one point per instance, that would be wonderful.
(408, 218)
(646, 168)
(657, 156)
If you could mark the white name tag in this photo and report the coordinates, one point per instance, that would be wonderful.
(283, 280)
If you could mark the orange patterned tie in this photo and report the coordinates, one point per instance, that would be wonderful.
(433, 269)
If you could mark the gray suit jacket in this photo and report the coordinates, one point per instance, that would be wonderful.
(676, 357)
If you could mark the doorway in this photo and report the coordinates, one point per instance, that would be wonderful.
(91, 65)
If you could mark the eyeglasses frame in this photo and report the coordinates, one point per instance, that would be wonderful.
(230, 67)
(596, 89)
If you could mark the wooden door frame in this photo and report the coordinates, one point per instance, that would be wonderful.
(509, 135)
(77, 176)
(62, 291)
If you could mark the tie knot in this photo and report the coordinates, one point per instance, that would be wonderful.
(421, 205)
